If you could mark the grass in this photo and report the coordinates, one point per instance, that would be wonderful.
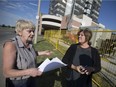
(51, 78)
(41, 45)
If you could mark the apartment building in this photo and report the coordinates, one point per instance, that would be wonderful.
(62, 8)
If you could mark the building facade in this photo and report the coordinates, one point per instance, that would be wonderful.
(62, 8)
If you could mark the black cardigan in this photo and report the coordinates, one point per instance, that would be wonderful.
(69, 55)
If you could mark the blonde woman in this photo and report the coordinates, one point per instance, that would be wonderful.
(19, 66)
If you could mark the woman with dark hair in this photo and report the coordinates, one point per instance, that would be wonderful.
(83, 60)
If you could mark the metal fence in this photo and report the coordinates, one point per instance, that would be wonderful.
(103, 40)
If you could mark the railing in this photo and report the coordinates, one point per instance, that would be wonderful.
(61, 40)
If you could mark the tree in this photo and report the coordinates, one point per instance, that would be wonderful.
(3, 25)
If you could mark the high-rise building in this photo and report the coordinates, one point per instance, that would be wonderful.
(57, 7)
(90, 8)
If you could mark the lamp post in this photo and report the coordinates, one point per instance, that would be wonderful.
(37, 22)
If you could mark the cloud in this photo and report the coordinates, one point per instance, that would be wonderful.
(9, 6)
(10, 12)
(28, 7)
(8, 18)
(33, 4)
(3, 0)
(13, 4)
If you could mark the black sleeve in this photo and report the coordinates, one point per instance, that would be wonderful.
(97, 61)
(68, 57)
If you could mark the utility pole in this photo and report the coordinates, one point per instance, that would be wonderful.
(71, 15)
(40, 23)
(37, 22)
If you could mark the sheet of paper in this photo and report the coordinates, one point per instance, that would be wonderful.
(49, 65)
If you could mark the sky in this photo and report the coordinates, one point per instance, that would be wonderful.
(12, 10)
(107, 15)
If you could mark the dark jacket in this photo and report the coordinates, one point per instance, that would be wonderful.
(69, 55)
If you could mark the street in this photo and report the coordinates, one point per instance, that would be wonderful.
(4, 35)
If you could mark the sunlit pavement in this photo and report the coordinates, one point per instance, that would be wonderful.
(109, 69)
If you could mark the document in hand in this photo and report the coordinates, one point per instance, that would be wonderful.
(49, 65)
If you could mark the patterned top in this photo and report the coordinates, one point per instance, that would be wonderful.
(25, 57)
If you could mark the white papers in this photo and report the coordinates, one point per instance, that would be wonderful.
(49, 65)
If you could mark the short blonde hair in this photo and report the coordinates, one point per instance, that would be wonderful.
(23, 24)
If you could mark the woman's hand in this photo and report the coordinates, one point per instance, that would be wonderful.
(34, 72)
(89, 70)
(83, 70)
(46, 52)
(79, 68)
